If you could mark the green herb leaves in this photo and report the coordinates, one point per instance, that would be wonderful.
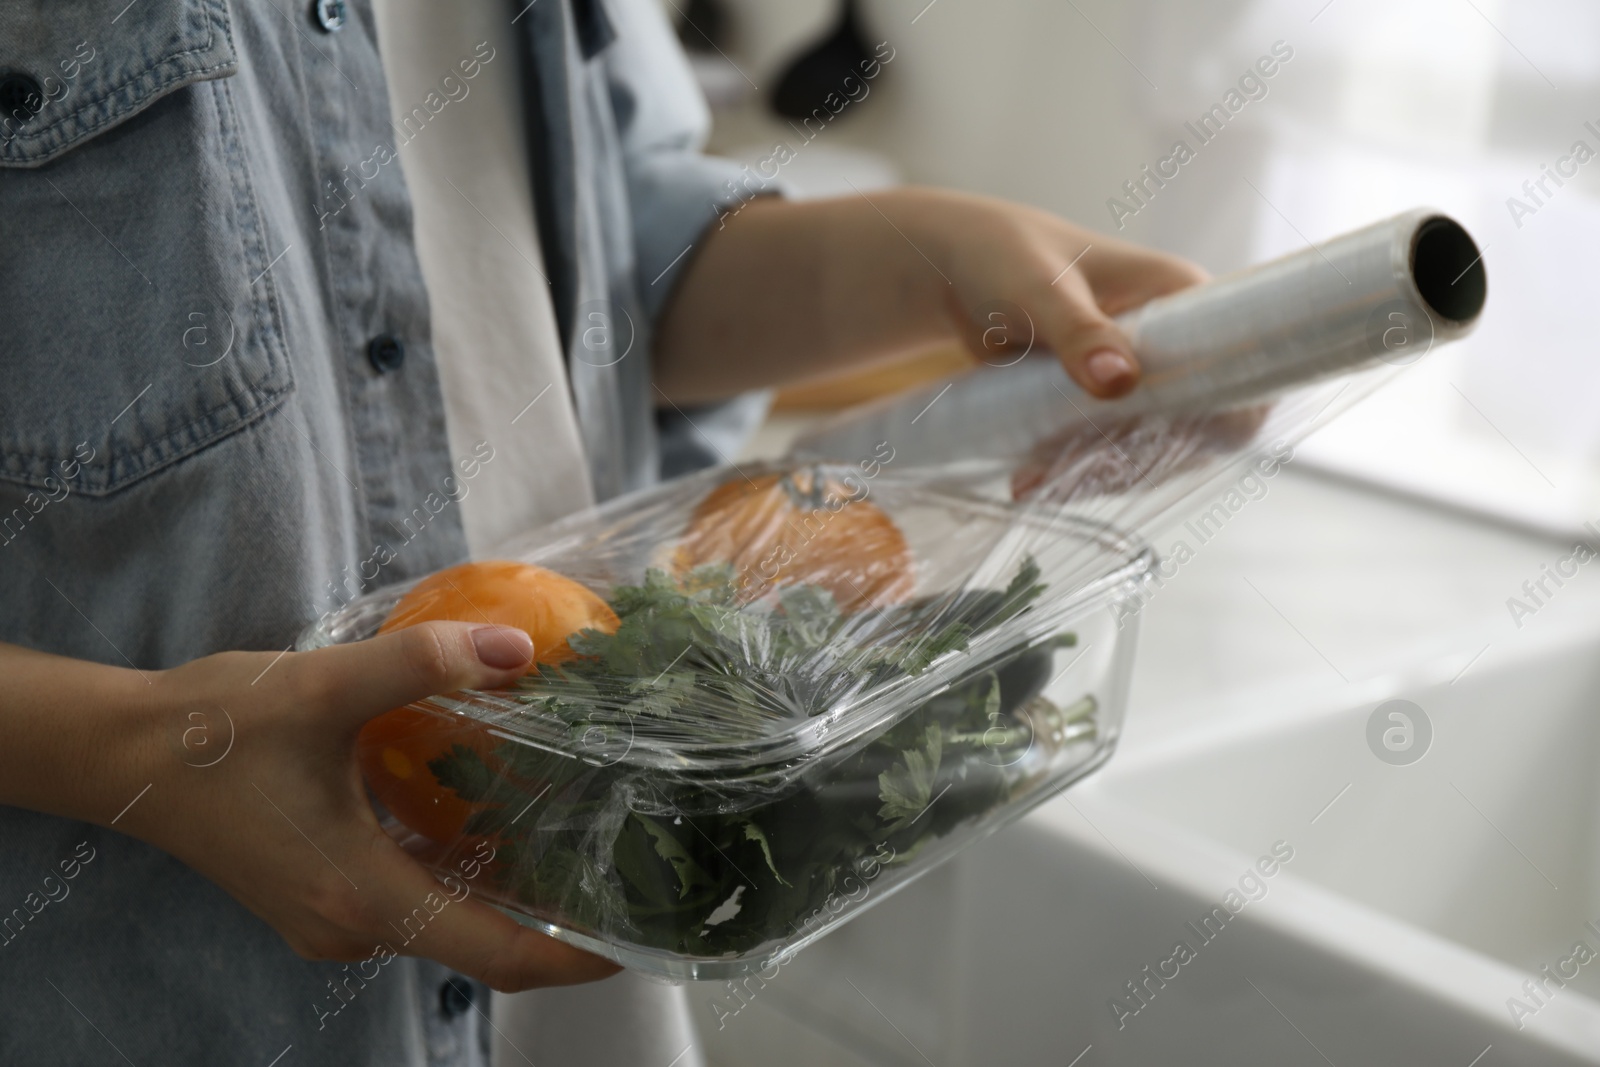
(724, 671)
(640, 853)
(907, 788)
(668, 847)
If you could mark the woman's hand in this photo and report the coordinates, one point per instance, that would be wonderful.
(242, 765)
(1020, 278)
(784, 291)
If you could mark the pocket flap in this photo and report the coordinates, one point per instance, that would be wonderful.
(69, 71)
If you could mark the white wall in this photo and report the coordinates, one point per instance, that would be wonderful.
(1056, 102)
(1010, 97)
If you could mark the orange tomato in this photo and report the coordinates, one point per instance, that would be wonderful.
(395, 748)
(394, 751)
(549, 607)
(799, 528)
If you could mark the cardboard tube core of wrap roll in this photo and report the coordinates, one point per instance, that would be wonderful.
(1447, 269)
(1385, 293)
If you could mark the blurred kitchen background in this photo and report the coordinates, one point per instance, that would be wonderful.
(1384, 106)
(1381, 564)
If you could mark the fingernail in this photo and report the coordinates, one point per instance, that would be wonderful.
(502, 647)
(1109, 369)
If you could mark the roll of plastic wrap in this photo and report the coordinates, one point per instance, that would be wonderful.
(1386, 293)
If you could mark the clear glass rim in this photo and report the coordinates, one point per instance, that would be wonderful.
(739, 763)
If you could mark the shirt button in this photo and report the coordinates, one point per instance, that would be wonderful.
(20, 98)
(330, 14)
(455, 997)
(386, 353)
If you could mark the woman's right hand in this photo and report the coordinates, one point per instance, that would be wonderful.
(242, 765)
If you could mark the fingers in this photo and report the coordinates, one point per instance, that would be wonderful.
(1091, 348)
(442, 921)
(1078, 307)
(366, 678)
(1065, 319)
(473, 938)
(1124, 276)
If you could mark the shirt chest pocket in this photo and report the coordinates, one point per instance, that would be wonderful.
(139, 322)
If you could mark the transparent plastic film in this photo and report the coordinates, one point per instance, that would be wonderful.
(765, 696)
(1379, 297)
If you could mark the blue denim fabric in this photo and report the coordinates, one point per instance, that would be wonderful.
(197, 454)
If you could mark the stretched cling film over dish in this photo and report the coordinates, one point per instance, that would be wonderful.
(766, 696)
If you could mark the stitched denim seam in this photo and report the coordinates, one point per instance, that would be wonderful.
(252, 225)
(194, 436)
(344, 392)
(48, 142)
(242, 407)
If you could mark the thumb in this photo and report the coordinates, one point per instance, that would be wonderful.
(358, 681)
(1090, 346)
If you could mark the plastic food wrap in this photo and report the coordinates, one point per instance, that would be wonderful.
(764, 697)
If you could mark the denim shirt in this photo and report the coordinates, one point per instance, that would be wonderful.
(220, 415)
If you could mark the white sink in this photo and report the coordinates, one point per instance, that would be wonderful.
(1418, 901)
(1415, 906)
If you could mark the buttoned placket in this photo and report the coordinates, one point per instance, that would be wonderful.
(394, 408)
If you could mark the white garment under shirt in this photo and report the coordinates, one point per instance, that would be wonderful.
(504, 381)
(501, 367)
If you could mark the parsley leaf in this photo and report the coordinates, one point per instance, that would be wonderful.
(907, 789)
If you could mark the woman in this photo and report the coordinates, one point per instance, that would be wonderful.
(304, 300)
